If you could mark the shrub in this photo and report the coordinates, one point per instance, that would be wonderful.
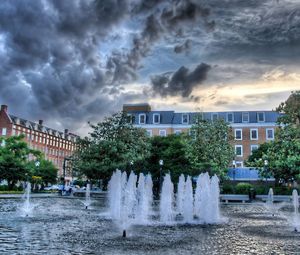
(227, 189)
(243, 188)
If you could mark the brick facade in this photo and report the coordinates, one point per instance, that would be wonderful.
(55, 145)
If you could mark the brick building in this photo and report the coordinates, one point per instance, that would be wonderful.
(54, 144)
(250, 128)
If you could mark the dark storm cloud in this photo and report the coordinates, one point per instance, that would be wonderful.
(55, 66)
(163, 22)
(54, 47)
(180, 82)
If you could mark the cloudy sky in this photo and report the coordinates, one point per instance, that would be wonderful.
(73, 61)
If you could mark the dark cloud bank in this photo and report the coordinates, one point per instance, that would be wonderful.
(52, 66)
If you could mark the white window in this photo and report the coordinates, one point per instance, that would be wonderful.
(142, 118)
(245, 117)
(260, 117)
(162, 132)
(149, 132)
(3, 131)
(238, 134)
(214, 116)
(229, 117)
(270, 133)
(254, 134)
(156, 118)
(253, 147)
(239, 150)
(13, 132)
(177, 132)
(185, 118)
(3, 143)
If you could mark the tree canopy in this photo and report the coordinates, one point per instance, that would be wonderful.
(209, 147)
(113, 143)
(282, 154)
(15, 163)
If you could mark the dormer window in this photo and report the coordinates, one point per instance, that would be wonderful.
(245, 117)
(142, 118)
(185, 118)
(260, 117)
(156, 118)
(229, 117)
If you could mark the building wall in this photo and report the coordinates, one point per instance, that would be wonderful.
(5, 121)
(54, 147)
(172, 122)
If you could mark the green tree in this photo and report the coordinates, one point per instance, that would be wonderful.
(14, 154)
(172, 150)
(112, 144)
(283, 154)
(209, 146)
(46, 170)
(290, 110)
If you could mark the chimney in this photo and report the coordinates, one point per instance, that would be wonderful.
(66, 131)
(41, 122)
(4, 108)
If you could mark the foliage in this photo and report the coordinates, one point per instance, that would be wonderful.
(243, 188)
(282, 154)
(112, 144)
(290, 109)
(209, 147)
(44, 173)
(172, 150)
(14, 154)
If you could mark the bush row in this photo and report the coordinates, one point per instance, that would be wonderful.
(243, 188)
(5, 188)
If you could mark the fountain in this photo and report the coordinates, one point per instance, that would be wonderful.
(202, 198)
(129, 204)
(188, 210)
(27, 207)
(270, 202)
(296, 220)
(145, 199)
(180, 194)
(166, 201)
(87, 202)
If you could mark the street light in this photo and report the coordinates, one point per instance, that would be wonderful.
(161, 163)
(131, 165)
(266, 162)
(233, 172)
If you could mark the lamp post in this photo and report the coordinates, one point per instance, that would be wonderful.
(161, 163)
(131, 166)
(233, 172)
(266, 163)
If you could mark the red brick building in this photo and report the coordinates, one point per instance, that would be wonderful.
(54, 144)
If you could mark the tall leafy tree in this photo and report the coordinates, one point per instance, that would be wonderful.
(45, 169)
(209, 146)
(113, 143)
(172, 150)
(14, 154)
(283, 154)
